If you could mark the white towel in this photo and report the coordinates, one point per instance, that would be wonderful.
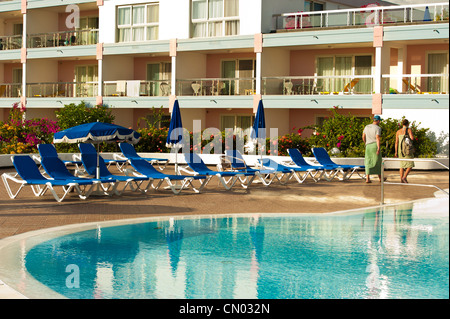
(120, 86)
(133, 88)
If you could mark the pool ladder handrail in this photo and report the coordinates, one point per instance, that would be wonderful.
(406, 184)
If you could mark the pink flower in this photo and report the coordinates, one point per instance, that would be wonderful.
(338, 144)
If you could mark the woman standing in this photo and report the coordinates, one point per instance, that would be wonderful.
(406, 166)
(372, 158)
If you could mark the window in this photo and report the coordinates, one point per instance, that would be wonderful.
(159, 76)
(87, 24)
(236, 122)
(241, 73)
(138, 22)
(314, 6)
(342, 72)
(86, 77)
(212, 18)
(438, 64)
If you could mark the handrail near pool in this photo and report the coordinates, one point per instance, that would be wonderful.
(407, 160)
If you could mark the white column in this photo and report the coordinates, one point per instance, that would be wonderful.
(377, 73)
(24, 64)
(173, 78)
(258, 73)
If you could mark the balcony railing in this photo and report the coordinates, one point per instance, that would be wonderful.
(415, 84)
(12, 42)
(10, 90)
(309, 85)
(62, 89)
(63, 38)
(368, 16)
(216, 86)
(136, 88)
(292, 85)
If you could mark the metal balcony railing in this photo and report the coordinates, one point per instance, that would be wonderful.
(62, 89)
(415, 84)
(136, 88)
(10, 90)
(309, 85)
(62, 38)
(216, 86)
(367, 16)
(11, 42)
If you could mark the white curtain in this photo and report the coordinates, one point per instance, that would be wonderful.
(138, 15)
(215, 9)
(124, 16)
(232, 27)
(324, 68)
(199, 30)
(153, 13)
(437, 64)
(199, 9)
(153, 33)
(215, 29)
(343, 67)
(231, 8)
(138, 34)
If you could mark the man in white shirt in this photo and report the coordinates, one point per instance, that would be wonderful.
(372, 138)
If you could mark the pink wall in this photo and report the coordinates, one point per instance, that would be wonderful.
(66, 69)
(214, 65)
(417, 55)
(7, 71)
(303, 62)
(213, 115)
(62, 18)
(140, 66)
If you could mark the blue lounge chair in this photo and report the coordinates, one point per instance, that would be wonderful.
(49, 150)
(299, 161)
(129, 153)
(30, 175)
(228, 179)
(88, 148)
(144, 168)
(289, 171)
(235, 158)
(90, 164)
(56, 169)
(324, 159)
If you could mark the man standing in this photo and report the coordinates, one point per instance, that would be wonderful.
(372, 138)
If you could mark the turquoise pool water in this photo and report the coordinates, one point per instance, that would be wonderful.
(392, 252)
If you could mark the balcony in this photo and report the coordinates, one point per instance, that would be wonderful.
(368, 16)
(63, 38)
(12, 42)
(415, 84)
(62, 89)
(9, 90)
(320, 85)
(136, 88)
(216, 86)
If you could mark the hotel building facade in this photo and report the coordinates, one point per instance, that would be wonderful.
(220, 57)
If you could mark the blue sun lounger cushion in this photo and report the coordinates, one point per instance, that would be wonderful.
(31, 176)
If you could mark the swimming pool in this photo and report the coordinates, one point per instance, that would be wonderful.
(391, 252)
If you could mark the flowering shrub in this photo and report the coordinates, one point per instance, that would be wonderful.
(76, 114)
(293, 140)
(344, 133)
(18, 135)
(152, 140)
